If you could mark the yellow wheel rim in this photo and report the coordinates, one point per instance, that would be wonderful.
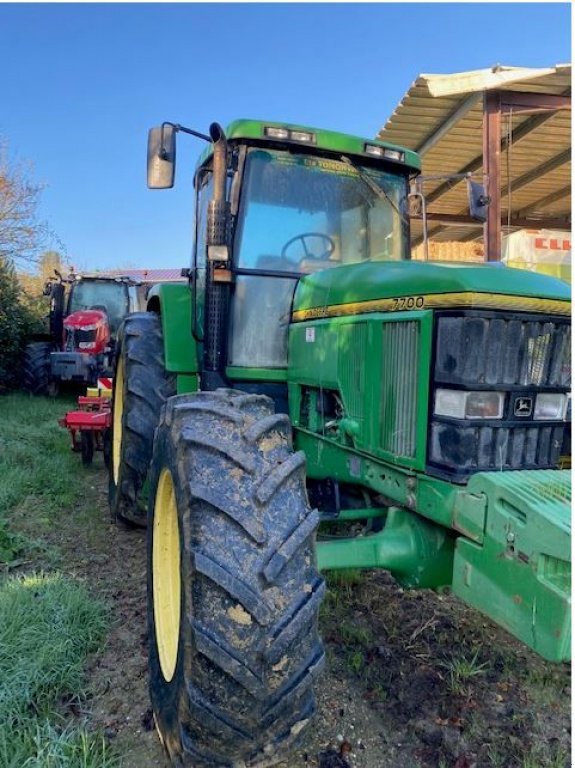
(166, 574)
(117, 419)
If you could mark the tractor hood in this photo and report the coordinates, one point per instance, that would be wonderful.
(402, 285)
(86, 319)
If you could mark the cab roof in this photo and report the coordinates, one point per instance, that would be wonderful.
(330, 141)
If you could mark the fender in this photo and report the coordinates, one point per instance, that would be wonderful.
(181, 354)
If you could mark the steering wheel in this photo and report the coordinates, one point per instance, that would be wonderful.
(325, 254)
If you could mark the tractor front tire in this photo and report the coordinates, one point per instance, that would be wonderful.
(233, 588)
(37, 375)
(141, 387)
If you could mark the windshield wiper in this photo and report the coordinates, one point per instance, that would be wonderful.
(375, 188)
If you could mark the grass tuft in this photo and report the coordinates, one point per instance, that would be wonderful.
(48, 625)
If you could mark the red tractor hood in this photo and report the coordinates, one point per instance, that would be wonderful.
(86, 330)
(84, 318)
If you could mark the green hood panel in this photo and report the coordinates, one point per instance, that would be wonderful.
(370, 281)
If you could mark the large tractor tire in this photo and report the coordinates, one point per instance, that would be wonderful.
(233, 589)
(37, 376)
(141, 387)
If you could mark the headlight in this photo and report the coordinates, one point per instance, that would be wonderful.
(469, 405)
(550, 407)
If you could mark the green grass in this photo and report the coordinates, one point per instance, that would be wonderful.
(48, 625)
(36, 464)
(461, 670)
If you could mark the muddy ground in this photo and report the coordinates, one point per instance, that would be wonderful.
(412, 678)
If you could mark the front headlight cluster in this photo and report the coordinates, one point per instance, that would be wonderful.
(551, 407)
(469, 405)
(459, 404)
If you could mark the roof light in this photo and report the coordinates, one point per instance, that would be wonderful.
(394, 154)
(276, 133)
(389, 154)
(302, 136)
(374, 150)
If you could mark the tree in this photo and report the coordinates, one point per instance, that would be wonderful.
(16, 323)
(21, 234)
(21, 238)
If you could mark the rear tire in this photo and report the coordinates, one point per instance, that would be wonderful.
(37, 375)
(233, 589)
(141, 387)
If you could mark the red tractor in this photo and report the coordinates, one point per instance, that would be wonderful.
(85, 314)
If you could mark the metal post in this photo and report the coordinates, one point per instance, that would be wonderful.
(492, 173)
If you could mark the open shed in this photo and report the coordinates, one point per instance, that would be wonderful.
(508, 128)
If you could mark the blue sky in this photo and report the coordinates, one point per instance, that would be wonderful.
(82, 83)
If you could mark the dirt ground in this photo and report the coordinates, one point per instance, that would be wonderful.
(412, 678)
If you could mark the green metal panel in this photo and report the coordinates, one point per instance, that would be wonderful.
(186, 383)
(520, 575)
(252, 131)
(235, 373)
(180, 347)
(378, 365)
(352, 369)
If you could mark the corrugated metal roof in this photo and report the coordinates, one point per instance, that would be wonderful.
(441, 117)
(150, 275)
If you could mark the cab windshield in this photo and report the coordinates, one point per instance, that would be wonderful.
(100, 294)
(300, 213)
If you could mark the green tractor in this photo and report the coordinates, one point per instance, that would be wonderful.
(311, 372)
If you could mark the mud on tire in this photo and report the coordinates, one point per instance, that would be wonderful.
(145, 385)
(247, 649)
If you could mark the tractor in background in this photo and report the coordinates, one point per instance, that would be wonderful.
(311, 372)
(85, 314)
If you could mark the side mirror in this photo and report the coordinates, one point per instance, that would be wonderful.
(47, 290)
(478, 200)
(161, 156)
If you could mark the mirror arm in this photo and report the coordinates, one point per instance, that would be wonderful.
(182, 129)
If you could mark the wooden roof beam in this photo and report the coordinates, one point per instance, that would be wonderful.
(518, 102)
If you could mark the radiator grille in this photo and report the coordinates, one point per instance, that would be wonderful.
(519, 356)
(399, 388)
(503, 351)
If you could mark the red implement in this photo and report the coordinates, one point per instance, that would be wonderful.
(89, 427)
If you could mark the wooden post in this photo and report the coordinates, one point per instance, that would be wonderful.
(492, 173)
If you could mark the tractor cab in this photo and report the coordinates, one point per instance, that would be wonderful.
(290, 207)
(299, 213)
(115, 298)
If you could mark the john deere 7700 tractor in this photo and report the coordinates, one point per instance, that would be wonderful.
(310, 371)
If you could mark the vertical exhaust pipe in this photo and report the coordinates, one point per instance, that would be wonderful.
(217, 293)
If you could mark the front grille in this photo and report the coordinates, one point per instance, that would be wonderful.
(77, 336)
(475, 448)
(488, 351)
(520, 356)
